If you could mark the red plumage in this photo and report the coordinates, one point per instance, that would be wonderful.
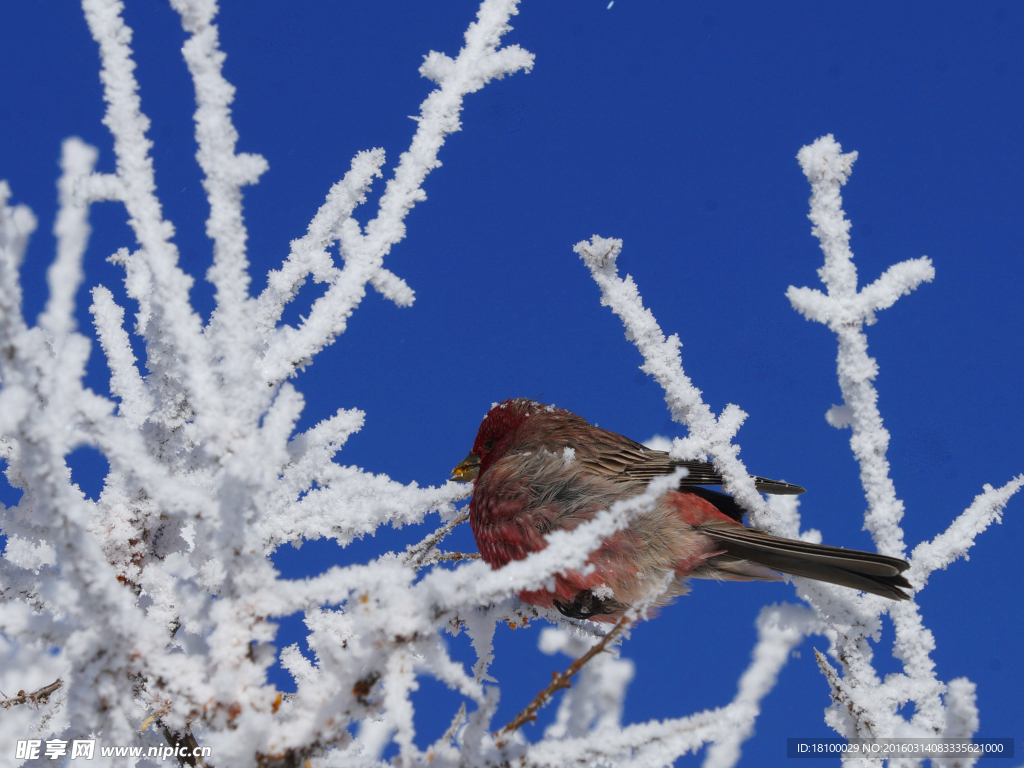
(539, 468)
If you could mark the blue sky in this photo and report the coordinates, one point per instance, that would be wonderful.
(673, 126)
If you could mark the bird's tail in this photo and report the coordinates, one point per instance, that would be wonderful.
(746, 552)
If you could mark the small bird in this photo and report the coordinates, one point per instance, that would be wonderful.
(539, 469)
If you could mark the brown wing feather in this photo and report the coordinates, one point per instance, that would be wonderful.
(619, 457)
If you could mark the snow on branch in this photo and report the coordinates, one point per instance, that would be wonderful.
(233, 336)
(159, 593)
(844, 310)
(780, 629)
(863, 704)
(708, 435)
(479, 62)
(955, 541)
(72, 232)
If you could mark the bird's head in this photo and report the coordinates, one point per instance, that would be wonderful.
(496, 435)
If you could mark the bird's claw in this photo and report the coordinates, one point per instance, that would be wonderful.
(585, 605)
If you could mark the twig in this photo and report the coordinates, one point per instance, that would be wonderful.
(416, 555)
(444, 557)
(187, 750)
(459, 718)
(561, 680)
(37, 697)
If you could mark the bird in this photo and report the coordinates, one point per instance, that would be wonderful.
(537, 468)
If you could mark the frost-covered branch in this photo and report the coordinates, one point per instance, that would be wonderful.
(159, 594)
(863, 704)
(34, 698)
(845, 310)
(596, 700)
(72, 232)
(233, 334)
(479, 62)
(424, 553)
(562, 680)
(954, 543)
(780, 629)
(709, 435)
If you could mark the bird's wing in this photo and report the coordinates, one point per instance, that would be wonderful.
(619, 457)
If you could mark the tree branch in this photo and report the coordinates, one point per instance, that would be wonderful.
(187, 748)
(37, 697)
(561, 680)
(418, 555)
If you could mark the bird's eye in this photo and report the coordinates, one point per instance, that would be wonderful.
(488, 445)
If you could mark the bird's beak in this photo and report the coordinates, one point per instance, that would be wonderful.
(467, 469)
